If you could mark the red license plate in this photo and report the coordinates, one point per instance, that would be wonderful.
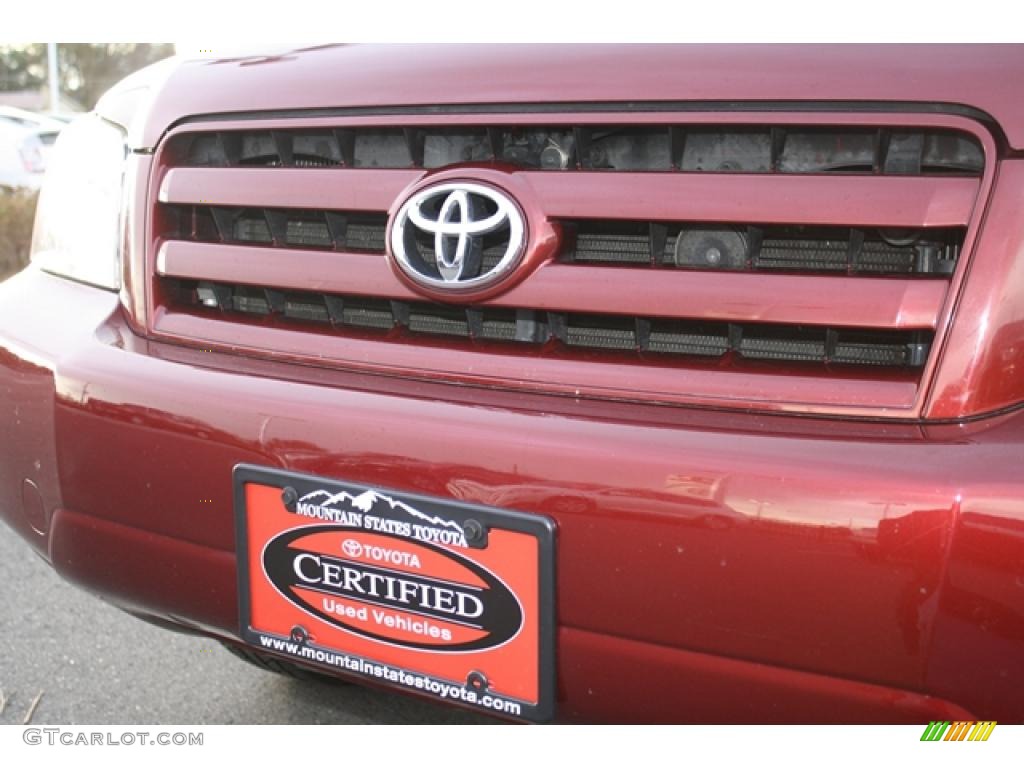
(442, 598)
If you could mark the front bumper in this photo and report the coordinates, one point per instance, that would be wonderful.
(711, 567)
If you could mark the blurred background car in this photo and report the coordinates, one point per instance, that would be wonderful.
(43, 87)
(25, 142)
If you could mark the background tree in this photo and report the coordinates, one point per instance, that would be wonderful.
(86, 69)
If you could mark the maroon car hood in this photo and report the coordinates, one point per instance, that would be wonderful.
(981, 77)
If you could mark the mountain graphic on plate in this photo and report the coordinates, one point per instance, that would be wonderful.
(370, 501)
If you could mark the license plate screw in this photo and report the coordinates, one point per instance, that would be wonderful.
(289, 496)
(476, 534)
(299, 635)
(477, 681)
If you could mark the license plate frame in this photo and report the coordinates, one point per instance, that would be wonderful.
(417, 593)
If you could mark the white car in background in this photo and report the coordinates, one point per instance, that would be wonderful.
(25, 142)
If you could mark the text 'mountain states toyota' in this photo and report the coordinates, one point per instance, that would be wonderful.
(635, 383)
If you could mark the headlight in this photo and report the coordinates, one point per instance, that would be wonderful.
(78, 219)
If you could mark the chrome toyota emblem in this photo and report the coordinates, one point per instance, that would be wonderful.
(440, 235)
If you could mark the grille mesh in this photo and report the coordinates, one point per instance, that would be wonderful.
(804, 249)
(281, 228)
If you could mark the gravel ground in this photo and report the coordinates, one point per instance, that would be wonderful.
(97, 665)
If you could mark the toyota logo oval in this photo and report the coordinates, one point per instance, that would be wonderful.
(352, 548)
(440, 234)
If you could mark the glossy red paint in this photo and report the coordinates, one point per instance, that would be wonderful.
(663, 685)
(369, 190)
(364, 274)
(896, 303)
(863, 201)
(718, 563)
(734, 197)
(383, 77)
(741, 384)
(135, 293)
(834, 569)
(984, 355)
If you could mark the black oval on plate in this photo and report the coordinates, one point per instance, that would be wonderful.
(492, 609)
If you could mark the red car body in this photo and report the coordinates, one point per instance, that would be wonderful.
(736, 541)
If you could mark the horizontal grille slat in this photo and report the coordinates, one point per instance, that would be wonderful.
(843, 389)
(878, 302)
(636, 335)
(864, 201)
(351, 189)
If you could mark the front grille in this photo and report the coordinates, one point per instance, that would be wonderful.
(736, 259)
